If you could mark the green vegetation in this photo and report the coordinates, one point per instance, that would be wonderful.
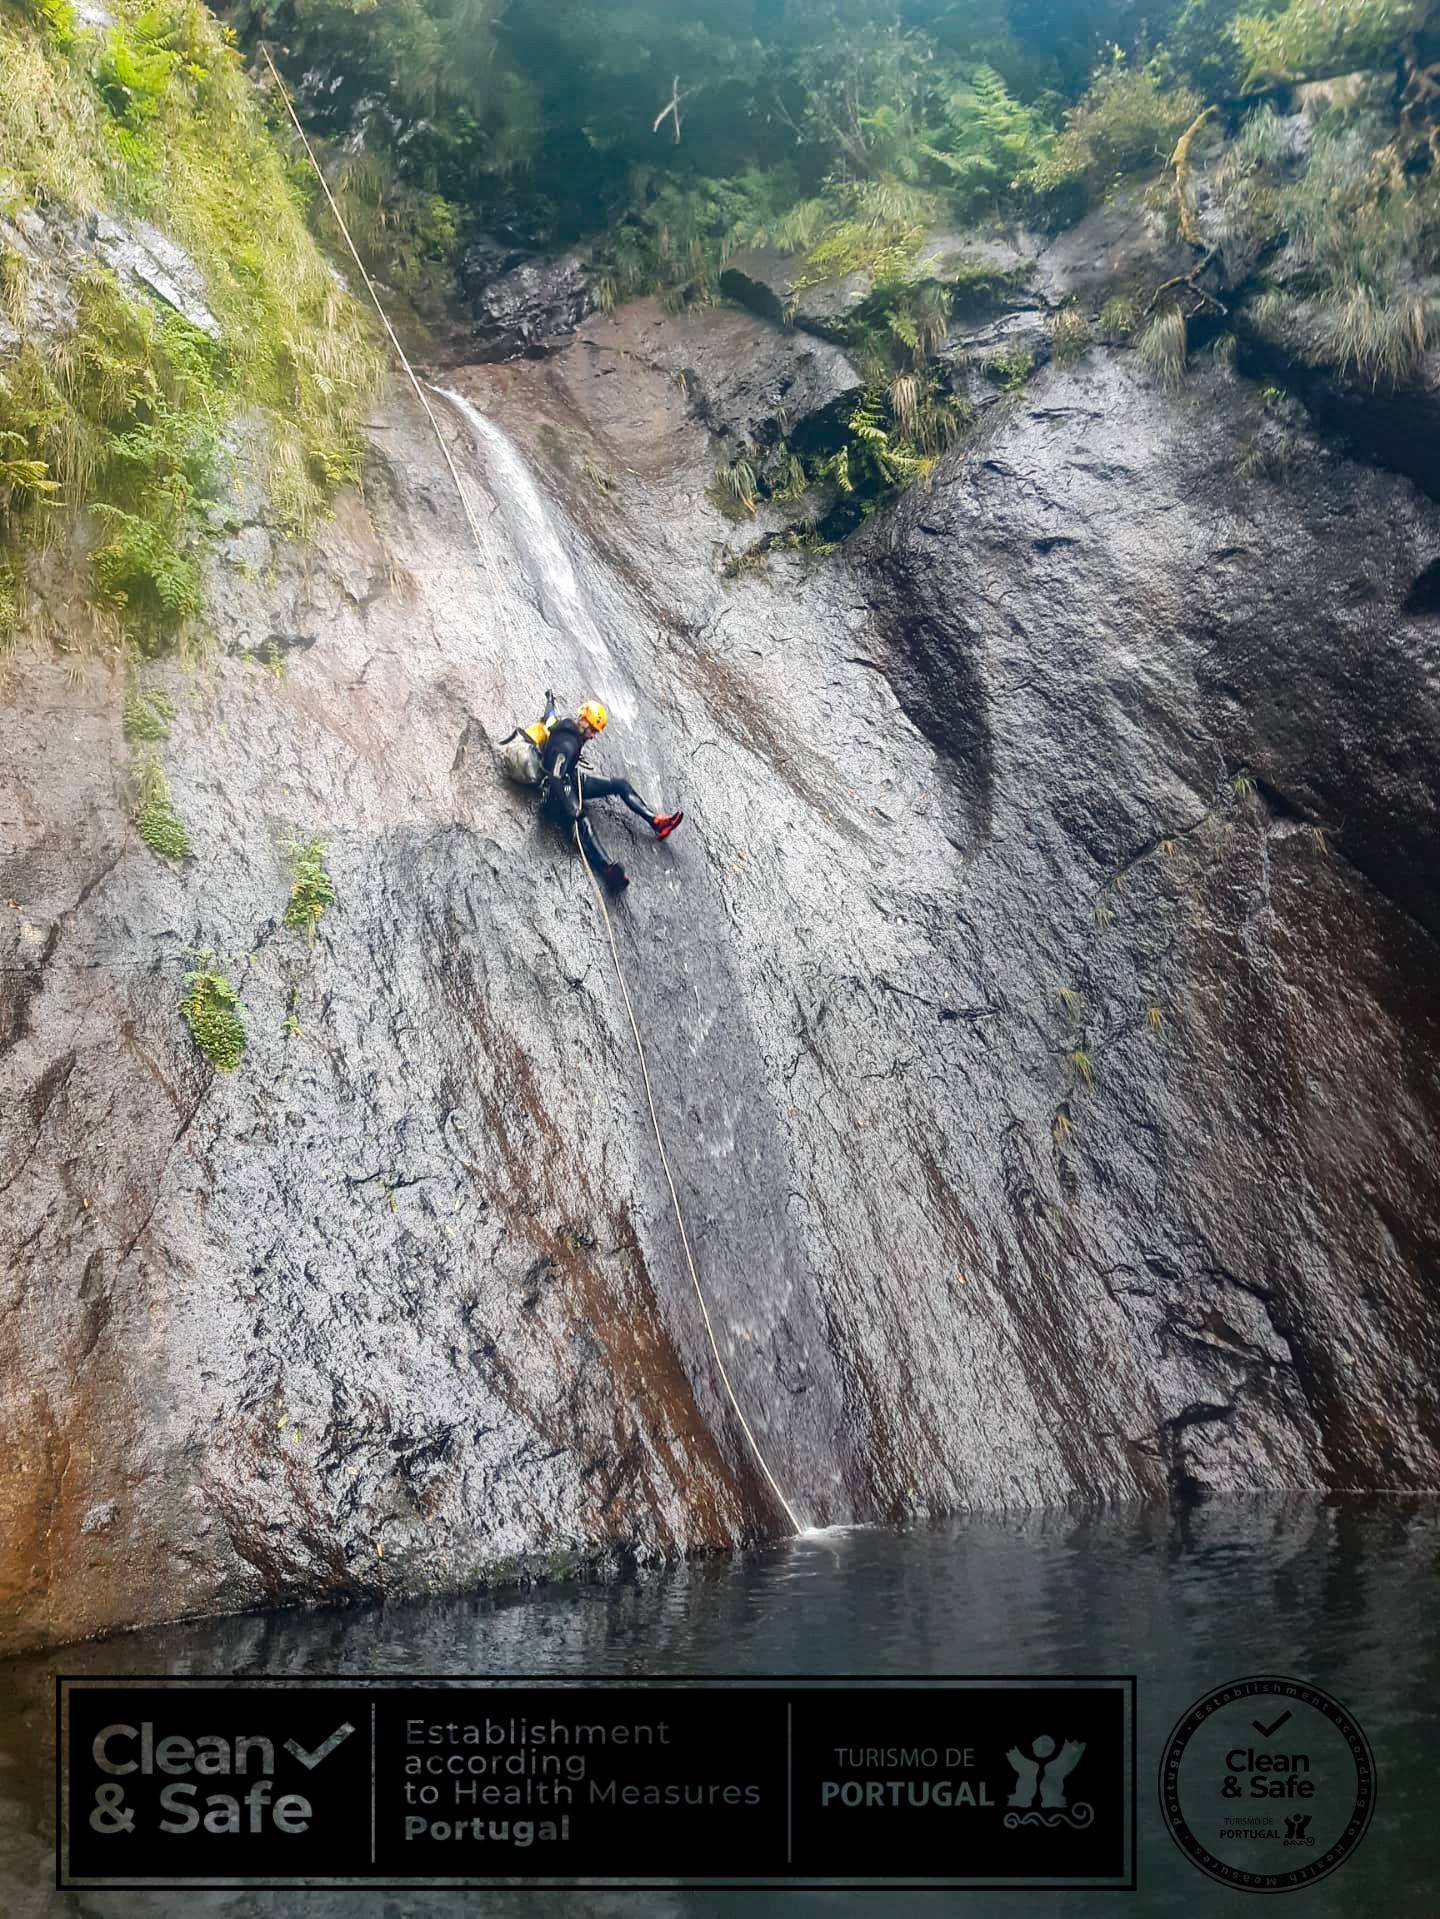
(663, 138)
(311, 888)
(211, 1009)
(1312, 39)
(1069, 335)
(148, 714)
(10, 605)
(1360, 218)
(1119, 316)
(123, 411)
(893, 435)
(1127, 123)
(750, 562)
(733, 490)
(850, 135)
(659, 140)
(1011, 369)
(156, 820)
(1162, 345)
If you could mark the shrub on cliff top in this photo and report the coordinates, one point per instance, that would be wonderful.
(1128, 122)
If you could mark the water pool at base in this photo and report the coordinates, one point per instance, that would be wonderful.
(1338, 1592)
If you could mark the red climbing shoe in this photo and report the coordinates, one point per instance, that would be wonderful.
(665, 824)
(616, 878)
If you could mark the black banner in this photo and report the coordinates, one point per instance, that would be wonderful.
(954, 1782)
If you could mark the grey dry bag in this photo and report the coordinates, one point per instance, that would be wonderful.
(520, 760)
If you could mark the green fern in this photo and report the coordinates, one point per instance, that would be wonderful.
(311, 888)
(148, 715)
(156, 821)
(211, 1009)
(866, 421)
(837, 468)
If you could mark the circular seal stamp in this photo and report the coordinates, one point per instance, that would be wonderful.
(1267, 1784)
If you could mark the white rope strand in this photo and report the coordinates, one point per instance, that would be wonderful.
(670, 1182)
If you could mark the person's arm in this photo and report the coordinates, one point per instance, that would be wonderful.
(562, 779)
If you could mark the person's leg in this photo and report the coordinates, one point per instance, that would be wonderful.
(621, 789)
(600, 863)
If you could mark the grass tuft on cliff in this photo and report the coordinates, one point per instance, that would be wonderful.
(122, 406)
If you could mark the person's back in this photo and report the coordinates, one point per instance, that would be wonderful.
(564, 791)
(561, 752)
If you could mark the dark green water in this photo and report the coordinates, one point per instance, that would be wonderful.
(1341, 1593)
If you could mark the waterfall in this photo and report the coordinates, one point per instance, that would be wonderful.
(543, 557)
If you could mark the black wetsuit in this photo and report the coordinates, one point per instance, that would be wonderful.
(566, 790)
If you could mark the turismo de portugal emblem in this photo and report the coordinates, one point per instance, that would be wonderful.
(1267, 1784)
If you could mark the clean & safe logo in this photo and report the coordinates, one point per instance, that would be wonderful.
(1267, 1784)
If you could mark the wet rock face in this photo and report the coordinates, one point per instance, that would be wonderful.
(521, 304)
(749, 386)
(398, 1305)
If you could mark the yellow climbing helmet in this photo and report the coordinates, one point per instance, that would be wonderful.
(593, 714)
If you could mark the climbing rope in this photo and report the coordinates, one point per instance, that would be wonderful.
(599, 893)
(496, 580)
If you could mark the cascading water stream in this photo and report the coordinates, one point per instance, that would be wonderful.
(546, 562)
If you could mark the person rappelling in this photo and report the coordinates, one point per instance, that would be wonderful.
(547, 754)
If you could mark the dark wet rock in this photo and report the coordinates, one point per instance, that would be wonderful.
(978, 360)
(1008, 256)
(521, 305)
(1126, 246)
(398, 1305)
(1394, 423)
(763, 280)
(751, 386)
